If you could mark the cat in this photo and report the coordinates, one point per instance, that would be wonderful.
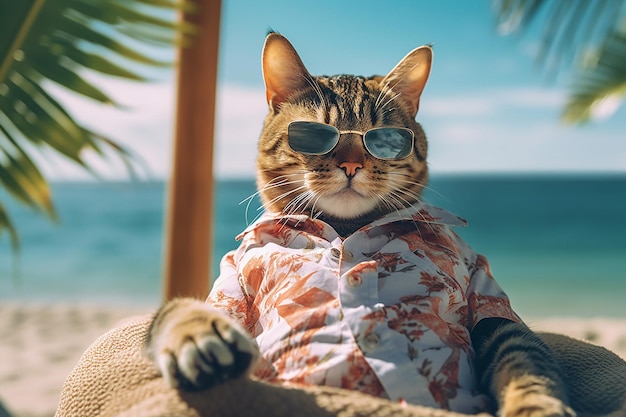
(349, 279)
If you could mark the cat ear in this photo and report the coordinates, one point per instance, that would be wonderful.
(409, 77)
(283, 70)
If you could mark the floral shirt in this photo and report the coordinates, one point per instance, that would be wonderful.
(386, 311)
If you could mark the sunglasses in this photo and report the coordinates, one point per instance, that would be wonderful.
(312, 138)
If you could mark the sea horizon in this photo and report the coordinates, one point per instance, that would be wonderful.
(555, 241)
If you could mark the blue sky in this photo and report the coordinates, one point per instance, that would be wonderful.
(487, 106)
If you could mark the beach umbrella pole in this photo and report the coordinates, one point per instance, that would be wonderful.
(188, 243)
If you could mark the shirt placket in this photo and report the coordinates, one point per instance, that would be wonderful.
(383, 349)
(357, 275)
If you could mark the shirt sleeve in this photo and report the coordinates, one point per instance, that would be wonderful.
(485, 297)
(228, 296)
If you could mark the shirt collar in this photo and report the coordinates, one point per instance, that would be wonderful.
(419, 212)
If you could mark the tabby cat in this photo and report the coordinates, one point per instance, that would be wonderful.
(349, 279)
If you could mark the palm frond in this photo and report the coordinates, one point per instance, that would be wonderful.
(570, 32)
(601, 85)
(7, 224)
(58, 42)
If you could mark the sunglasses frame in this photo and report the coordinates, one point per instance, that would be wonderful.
(356, 132)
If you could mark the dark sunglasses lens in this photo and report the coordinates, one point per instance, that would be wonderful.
(312, 138)
(389, 142)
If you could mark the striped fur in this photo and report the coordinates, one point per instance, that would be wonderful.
(513, 364)
(195, 346)
(519, 370)
(294, 183)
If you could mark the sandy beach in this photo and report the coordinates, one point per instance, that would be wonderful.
(40, 344)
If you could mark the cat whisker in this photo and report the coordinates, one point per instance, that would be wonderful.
(283, 195)
(277, 182)
(411, 194)
(300, 201)
(294, 206)
(402, 204)
(386, 103)
(387, 90)
(295, 191)
(385, 202)
(288, 210)
(396, 203)
(383, 92)
(415, 183)
(273, 183)
(316, 87)
(407, 195)
(400, 185)
(290, 207)
(313, 213)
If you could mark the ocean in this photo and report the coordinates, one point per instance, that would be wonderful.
(556, 243)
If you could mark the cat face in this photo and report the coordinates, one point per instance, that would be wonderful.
(346, 183)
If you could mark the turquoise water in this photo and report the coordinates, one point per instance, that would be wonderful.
(557, 244)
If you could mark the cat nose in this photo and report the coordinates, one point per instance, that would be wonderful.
(350, 168)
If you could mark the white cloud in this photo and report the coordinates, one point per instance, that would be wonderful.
(515, 129)
(143, 124)
(490, 103)
(240, 117)
(531, 97)
(488, 132)
(545, 147)
(456, 106)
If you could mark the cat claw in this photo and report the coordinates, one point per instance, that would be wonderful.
(203, 348)
(216, 358)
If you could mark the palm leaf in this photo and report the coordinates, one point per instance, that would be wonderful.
(570, 32)
(7, 224)
(601, 85)
(58, 41)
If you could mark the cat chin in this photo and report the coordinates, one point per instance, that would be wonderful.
(345, 205)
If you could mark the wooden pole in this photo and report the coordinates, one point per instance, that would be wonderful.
(190, 209)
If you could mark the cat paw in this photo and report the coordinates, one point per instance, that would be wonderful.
(538, 406)
(196, 347)
(531, 398)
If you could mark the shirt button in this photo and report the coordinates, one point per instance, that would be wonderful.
(335, 253)
(354, 280)
(347, 255)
